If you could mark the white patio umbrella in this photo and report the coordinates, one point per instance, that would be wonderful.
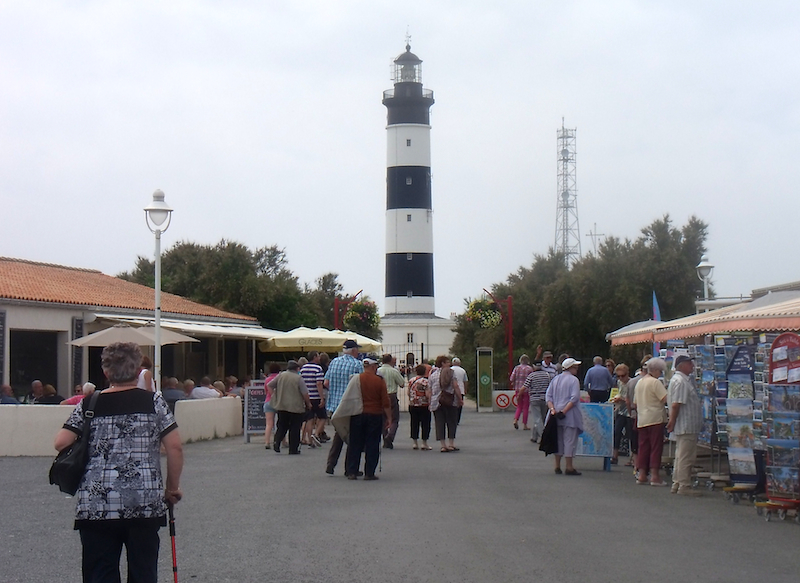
(143, 336)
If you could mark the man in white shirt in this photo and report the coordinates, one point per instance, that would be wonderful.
(461, 377)
(205, 390)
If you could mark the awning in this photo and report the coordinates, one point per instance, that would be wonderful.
(203, 329)
(651, 331)
(775, 312)
(761, 315)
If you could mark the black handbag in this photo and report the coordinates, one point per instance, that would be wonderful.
(70, 463)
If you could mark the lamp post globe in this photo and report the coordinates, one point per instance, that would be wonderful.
(157, 215)
(704, 271)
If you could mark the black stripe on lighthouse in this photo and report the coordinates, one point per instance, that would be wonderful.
(408, 187)
(409, 273)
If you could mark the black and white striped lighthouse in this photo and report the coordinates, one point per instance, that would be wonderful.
(409, 214)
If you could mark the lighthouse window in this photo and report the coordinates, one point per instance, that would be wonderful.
(408, 218)
(408, 181)
(409, 256)
(408, 143)
(409, 294)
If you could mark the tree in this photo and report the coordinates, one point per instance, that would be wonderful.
(571, 310)
(231, 277)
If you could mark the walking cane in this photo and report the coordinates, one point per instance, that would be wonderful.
(171, 510)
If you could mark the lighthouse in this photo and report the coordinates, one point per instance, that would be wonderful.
(409, 211)
(410, 327)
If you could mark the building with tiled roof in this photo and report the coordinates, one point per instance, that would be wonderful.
(72, 286)
(43, 307)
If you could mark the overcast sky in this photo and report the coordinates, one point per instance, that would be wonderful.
(263, 123)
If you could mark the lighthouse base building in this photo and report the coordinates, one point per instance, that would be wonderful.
(411, 329)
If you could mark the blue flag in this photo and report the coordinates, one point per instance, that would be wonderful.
(657, 318)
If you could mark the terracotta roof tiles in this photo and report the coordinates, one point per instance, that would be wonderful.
(43, 282)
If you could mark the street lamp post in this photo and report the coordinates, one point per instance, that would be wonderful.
(157, 215)
(704, 270)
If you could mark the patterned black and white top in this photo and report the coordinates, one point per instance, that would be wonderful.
(123, 476)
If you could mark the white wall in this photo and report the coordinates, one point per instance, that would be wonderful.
(404, 236)
(29, 430)
(400, 154)
(437, 335)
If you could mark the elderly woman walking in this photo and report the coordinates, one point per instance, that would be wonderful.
(517, 382)
(445, 400)
(122, 499)
(649, 400)
(563, 401)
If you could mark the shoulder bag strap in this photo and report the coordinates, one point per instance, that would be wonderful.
(88, 415)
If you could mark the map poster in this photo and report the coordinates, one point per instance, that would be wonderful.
(597, 438)
(785, 359)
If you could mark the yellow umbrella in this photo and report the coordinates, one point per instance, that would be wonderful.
(365, 344)
(303, 339)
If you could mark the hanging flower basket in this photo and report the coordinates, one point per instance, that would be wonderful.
(362, 316)
(484, 313)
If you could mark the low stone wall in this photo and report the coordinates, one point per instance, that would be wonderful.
(200, 419)
(29, 430)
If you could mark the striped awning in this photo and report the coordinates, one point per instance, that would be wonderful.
(775, 312)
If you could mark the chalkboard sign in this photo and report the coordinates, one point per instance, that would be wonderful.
(255, 422)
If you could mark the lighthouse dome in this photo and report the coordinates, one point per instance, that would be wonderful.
(408, 67)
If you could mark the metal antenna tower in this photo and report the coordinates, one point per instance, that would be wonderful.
(568, 238)
(595, 236)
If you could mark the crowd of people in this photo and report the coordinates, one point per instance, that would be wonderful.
(361, 397)
(646, 410)
(172, 389)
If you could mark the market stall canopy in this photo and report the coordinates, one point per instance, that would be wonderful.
(775, 312)
(303, 339)
(633, 333)
(203, 329)
(144, 336)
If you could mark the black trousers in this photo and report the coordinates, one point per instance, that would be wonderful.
(446, 416)
(365, 436)
(420, 419)
(391, 431)
(599, 396)
(102, 549)
(291, 422)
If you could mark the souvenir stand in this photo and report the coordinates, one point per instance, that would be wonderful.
(726, 372)
(780, 407)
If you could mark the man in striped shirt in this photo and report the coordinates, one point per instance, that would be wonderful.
(536, 384)
(685, 422)
(338, 376)
(315, 418)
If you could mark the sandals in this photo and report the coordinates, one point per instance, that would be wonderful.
(426, 448)
(446, 450)
(516, 425)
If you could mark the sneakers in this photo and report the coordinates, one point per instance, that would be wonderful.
(370, 478)
(660, 484)
(316, 441)
(329, 470)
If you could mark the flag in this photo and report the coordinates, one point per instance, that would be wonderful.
(657, 318)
